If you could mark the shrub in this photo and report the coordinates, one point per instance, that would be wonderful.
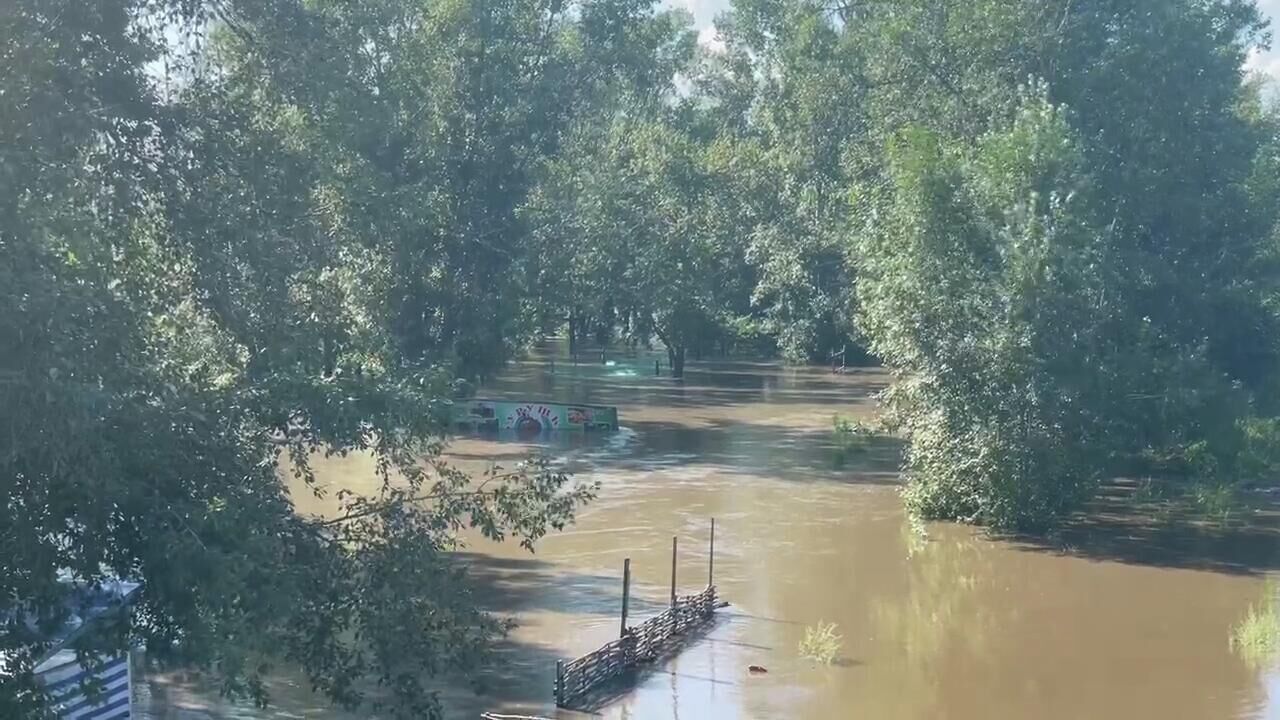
(1256, 638)
(851, 437)
(820, 643)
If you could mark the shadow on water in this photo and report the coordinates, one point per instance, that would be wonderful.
(705, 385)
(1114, 529)
(522, 584)
(520, 676)
(780, 452)
(773, 451)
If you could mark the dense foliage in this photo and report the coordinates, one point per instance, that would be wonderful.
(200, 289)
(236, 234)
(1067, 252)
(1053, 221)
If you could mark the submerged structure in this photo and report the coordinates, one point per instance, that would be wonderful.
(100, 689)
(532, 419)
(591, 681)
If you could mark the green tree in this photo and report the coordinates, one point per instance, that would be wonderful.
(648, 209)
(1165, 313)
(433, 144)
(574, 277)
(980, 285)
(790, 80)
(190, 292)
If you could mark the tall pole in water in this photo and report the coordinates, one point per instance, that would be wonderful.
(711, 556)
(673, 571)
(626, 593)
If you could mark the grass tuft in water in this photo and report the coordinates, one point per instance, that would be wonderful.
(820, 643)
(1256, 638)
(852, 437)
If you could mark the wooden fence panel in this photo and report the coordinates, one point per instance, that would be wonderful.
(642, 644)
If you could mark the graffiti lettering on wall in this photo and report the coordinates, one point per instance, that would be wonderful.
(529, 420)
(532, 420)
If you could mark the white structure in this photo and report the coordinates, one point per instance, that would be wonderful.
(63, 677)
(102, 691)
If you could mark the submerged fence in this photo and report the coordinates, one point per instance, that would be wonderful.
(648, 642)
(843, 355)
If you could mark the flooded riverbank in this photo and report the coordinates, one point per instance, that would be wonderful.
(1107, 622)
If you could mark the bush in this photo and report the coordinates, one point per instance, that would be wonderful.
(1256, 638)
(851, 437)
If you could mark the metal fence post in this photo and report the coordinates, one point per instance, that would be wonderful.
(673, 571)
(626, 594)
(711, 556)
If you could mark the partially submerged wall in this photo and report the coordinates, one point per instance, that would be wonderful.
(531, 419)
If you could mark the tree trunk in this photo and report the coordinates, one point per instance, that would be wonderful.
(329, 353)
(573, 336)
(675, 355)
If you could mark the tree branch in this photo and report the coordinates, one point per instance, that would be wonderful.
(385, 505)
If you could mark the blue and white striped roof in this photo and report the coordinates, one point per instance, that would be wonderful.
(64, 678)
(62, 673)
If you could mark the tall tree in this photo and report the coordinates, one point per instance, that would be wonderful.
(433, 144)
(1174, 344)
(789, 78)
(649, 209)
(191, 293)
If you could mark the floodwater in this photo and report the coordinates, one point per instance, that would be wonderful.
(1120, 619)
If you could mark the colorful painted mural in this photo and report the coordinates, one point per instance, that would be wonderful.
(531, 419)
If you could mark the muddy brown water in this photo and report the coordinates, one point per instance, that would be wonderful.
(1115, 620)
